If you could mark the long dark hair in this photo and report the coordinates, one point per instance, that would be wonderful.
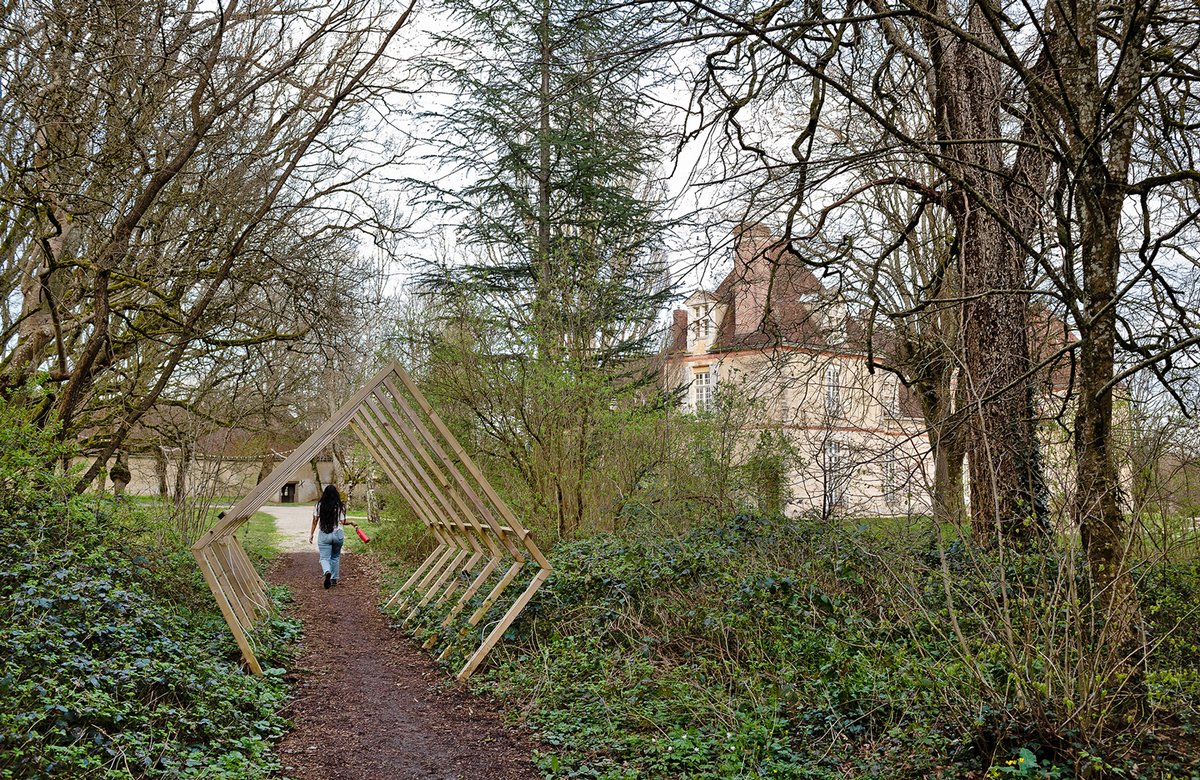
(331, 509)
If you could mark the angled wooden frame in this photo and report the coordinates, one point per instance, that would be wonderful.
(476, 532)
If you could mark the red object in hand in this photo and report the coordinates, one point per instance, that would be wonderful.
(361, 534)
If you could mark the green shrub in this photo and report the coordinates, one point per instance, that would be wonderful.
(771, 647)
(113, 659)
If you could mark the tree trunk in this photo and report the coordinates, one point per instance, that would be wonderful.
(1102, 526)
(1007, 495)
(543, 331)
(120, 475)
(372, 497)
(1007, 491)
(313, 464)
(265, 466)
(1102, 171)
(948, 454)
(935, 392)
(160, 471)
(181, 475)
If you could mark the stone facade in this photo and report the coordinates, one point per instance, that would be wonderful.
(775, 338)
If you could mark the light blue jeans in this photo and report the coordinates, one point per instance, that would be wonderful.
(329, 546)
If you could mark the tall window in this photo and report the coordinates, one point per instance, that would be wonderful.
(891, 477)
(892, 396)
(836, 465)
(833, 391)
(703, 385)
(701, 321)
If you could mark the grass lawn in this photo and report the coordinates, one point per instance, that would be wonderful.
(259, 537)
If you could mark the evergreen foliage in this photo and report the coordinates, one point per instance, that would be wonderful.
(539, 334)
(760, 647)
(553, 139)
(113, 659)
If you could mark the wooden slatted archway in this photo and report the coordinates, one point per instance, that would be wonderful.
(480, 542)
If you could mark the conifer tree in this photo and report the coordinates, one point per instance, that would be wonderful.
(551, 146)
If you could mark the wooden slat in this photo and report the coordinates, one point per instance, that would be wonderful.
(227, 612)
(472, 590)
(231, 592)
(413, 577)
(252, 585)
(395, 421)
(245, 559)
(401, 483)
(431, 491)
(436, 569)
(292, 463)
(485, 513)
(456, 580)
(474, 471)
(439, 582)
(374, 442)
(434, 556)
(416, 495)
(498, 631)
(234, 582)
(454, 530)
(496, 592)
(448, 493)
(409, 425)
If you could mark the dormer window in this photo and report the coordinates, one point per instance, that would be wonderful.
(701, 322)
(703, 314)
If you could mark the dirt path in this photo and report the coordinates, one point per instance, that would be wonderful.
(370, 704)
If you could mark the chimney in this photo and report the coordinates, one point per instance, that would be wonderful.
(752, 241)
(679, 323)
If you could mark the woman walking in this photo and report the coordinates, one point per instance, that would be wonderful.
(329, 515)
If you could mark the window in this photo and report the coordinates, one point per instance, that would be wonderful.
(891, 478)
(833, 391)
(703, 386)
(892, 397)
(784, 410)
(836, 467)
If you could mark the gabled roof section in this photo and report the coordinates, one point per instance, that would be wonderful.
(772, 297)
(700, 296)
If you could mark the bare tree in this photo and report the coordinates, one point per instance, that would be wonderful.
(1062, 137)
(180, 181)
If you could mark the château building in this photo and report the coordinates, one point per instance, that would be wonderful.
(783, 353)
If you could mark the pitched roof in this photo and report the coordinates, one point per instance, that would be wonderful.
(1049, 336)
(771, 296)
